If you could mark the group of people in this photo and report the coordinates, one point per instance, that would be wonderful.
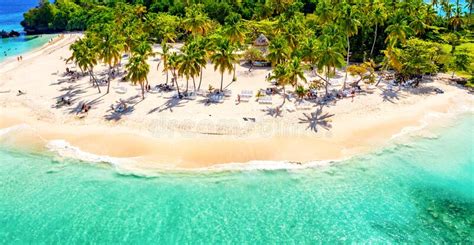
(19, 58)
(85, 108)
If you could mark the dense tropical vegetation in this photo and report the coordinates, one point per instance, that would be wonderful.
(408, 36)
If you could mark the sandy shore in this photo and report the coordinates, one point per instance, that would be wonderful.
(160, 132)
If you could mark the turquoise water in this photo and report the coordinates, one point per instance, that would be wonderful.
(11, 14)
(420, 192)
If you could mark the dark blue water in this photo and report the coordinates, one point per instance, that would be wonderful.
(11, 14)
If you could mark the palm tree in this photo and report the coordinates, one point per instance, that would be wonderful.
(173, 62)
(456, 21)
(378, 18)
(330, 57)
(196, 21)
(418, 25)
(204, 47)
(165, 53)
(236, 32)
(185, 67)
(84, 54)
(295, 71)
(143, 48)
(223, 58)
(280, 74)
(110, 48)
(469, 5)
(309, 52)
(278, 51)
(397, 33)
(138, 69)
(447, 8)
(350, 25)
(190, 62)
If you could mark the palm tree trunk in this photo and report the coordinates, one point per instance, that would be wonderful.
(177, 86)
(166, 77)
(109, 79)
(194, 84)
(94, 81)
(200, 79)
(187, 84)
(347, 61)
(327, 82)
(143, 90)
(375, 39)
(233, 76)
(222, 80)
(284, 97)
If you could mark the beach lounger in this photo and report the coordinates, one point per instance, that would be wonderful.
(120, 90)
(201, 92)
(154, 90)
(216, 98)
(227, 93)
(121, 107)
(290, 108)
(246, 93)
(190, 96)
(265, 100)
(303, 105)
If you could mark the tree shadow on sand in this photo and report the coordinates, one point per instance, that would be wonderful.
(169, 104)
(92, 103)
(129, 107)
(273, 112)
(317, 118)
(71, 93)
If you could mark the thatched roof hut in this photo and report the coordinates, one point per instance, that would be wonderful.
(261, 41)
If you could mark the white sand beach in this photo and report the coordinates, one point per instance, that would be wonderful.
(162, 132)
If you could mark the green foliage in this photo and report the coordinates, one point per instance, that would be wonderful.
(418, 57)
(319, 35)
(461, 61)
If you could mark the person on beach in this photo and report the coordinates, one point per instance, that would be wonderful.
(238, 99)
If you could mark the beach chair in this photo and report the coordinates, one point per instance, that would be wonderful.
(290, 107)
(227, 93)
(201, 92)
(191, 96)
(154, 90)
(246, 95)
(265, 100)
(120, 90)
(303, 105)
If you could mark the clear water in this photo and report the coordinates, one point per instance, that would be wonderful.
(11, 14)
(420, 192)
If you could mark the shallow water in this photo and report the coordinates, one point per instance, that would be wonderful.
(11, 14)
(420, 191)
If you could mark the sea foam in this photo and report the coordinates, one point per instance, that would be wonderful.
(65, 149)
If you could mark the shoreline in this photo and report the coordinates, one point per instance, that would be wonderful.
(191, 135)
(19, 135)
(60, 148)
(6, 64)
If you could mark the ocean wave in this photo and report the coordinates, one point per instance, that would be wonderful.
(268, 165)
(6, 131)
(429, 118)
(134, 167)
(128, 167)
(65, 149)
